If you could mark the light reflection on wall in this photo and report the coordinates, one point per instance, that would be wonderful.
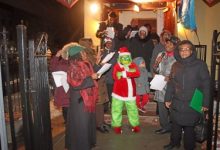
(180, 29)
(91, 20)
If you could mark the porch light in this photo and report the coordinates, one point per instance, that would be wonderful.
(94, 8)
(136, 8)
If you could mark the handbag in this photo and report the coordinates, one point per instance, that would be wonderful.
(201, 129)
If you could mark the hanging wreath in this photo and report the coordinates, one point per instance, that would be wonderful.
(211, 3)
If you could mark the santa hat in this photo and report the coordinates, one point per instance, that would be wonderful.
(123, 51)
(107, 39)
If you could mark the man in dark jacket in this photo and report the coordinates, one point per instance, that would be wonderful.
(129, 28)
(102, 32)
(187, 75)
(142, 46)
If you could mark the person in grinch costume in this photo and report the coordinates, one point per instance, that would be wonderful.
(124, 91)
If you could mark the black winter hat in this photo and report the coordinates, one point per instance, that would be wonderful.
(173, 39)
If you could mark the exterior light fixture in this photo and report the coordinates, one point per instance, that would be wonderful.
(94, 7)
(136, 8)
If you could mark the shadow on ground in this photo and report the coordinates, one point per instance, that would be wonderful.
(145, 140)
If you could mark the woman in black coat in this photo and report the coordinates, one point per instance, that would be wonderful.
(80, 127)
(187, 74)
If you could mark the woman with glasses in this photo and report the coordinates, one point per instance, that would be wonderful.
(187, 74)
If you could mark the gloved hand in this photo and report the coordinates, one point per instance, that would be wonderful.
(119, 75)
(132, 70)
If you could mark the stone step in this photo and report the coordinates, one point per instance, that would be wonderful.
(143, 119)
(151, 108)
(148, 117)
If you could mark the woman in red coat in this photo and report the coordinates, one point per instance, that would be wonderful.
(61, 98)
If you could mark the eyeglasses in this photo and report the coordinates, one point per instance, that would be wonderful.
(185, 49)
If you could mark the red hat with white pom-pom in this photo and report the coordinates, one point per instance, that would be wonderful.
(123, 51)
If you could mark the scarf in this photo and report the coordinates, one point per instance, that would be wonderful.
(170, 54)
(77, 73)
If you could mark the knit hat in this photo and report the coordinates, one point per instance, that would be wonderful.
(71, 49)
(65, 49)
(75, 50)
(143, 28)
(107, 39)
(173, 39)
(138, 60)
(123, 51)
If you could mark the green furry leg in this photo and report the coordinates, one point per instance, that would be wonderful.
(117, 107)
(132, 112)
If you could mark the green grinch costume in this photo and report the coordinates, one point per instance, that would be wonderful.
(124, 91)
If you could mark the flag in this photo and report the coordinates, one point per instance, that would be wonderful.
(186, 14)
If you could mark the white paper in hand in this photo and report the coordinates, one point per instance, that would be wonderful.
(65, 84)
(57, 75)
(104, 68)
(133, 33)
(60, 79)
(110, 32)
(158, 82)
(108, 57)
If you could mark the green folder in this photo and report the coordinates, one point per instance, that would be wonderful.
(196, 102)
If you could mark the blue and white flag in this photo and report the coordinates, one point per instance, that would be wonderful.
(187, 14)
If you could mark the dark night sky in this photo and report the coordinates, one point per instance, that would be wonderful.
(62, 24)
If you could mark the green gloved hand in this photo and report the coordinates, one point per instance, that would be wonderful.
(119, 74)
(132, 70)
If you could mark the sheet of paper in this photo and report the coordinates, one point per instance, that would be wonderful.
(133, 33)
(65, 84)
(60, 79)
(108, 57)
(104, 68)
(110, 32)
(158, 82)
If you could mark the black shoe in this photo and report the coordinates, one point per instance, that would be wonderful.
(158, 130)
(171, 146)
(163, 131)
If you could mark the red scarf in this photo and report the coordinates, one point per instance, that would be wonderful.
(77, 73)
(170, 54)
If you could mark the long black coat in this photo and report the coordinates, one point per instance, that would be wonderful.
(187, 75)
(141, 48)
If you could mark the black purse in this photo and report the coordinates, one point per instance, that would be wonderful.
(201, 129)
